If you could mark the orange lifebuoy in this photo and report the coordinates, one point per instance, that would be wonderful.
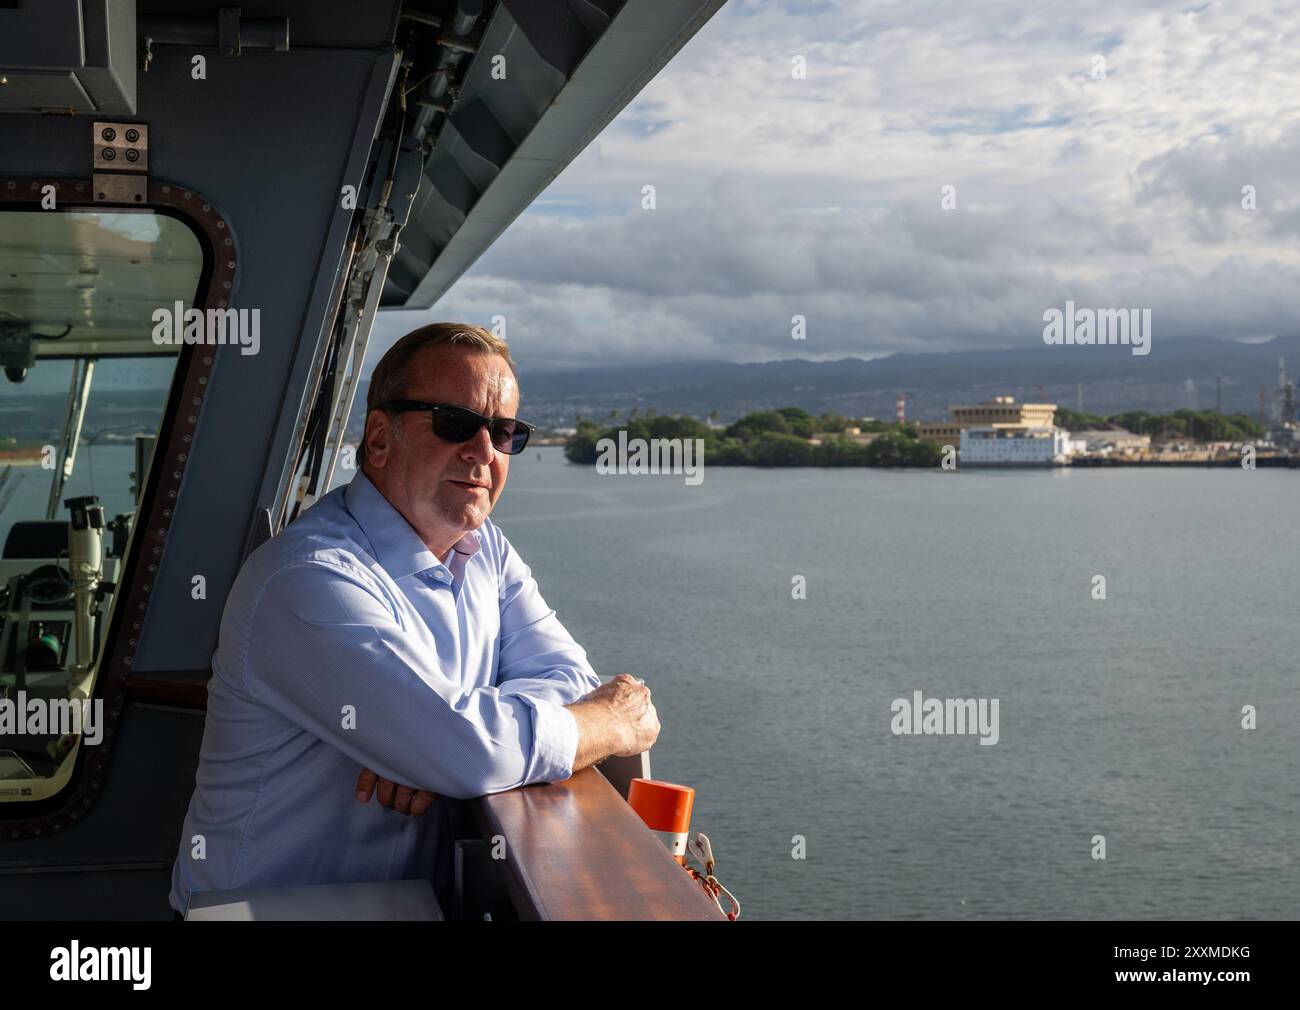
(665, 807)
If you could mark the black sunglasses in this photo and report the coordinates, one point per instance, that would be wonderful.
(460, 424)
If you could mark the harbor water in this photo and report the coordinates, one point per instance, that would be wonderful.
(1120, 718)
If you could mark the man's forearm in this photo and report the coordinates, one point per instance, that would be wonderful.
(600, 733)
(617, 718)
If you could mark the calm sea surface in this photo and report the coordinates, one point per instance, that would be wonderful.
(1118, 717)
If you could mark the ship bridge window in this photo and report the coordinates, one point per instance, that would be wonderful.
(81, 402)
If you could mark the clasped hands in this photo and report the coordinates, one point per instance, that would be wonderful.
(403, 799)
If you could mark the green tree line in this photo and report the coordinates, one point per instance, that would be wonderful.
(768, 438)
(1200, 425)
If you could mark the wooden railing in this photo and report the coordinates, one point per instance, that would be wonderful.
(576, 850)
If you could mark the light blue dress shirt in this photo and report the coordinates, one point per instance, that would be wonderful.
(346, 643)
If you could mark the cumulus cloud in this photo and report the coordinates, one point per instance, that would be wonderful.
(1097, 152)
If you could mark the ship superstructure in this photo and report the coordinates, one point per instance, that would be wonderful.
(202, 209)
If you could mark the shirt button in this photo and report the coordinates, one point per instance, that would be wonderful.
(440, 575)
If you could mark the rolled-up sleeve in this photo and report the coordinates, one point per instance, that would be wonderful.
(539, 659)
(328, 653)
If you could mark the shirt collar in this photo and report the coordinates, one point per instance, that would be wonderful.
(397, 547)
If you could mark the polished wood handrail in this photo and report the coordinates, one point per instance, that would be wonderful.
(576, 850)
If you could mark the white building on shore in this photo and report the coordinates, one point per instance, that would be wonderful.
(1015, 446)
(1110, 441)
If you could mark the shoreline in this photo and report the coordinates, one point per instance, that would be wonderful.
(1291, 462)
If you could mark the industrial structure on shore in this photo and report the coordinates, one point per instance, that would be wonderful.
(1001, 432)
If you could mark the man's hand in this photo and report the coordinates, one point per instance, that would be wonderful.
(616, 718)
(403, 799)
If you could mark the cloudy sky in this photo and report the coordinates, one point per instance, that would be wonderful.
(1116, 184)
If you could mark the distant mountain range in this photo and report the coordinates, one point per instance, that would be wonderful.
(1112, 380)
(1177, 374)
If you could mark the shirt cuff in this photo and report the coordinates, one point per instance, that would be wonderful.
(555, 740)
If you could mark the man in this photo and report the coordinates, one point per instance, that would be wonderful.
(392, 642)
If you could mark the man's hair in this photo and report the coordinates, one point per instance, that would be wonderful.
(392, 375)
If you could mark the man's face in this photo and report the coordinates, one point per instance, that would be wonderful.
(443, 489)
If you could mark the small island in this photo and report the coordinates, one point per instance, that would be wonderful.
(790, 436)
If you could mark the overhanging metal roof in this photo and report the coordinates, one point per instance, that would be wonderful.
(571, 65)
